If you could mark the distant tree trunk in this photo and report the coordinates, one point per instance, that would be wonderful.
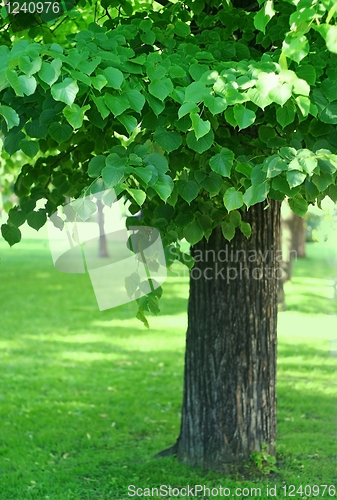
(229, 402)
(103, 248)
(292, 244)
(298, 232)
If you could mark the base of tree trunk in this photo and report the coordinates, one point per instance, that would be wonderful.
(229, 401)
(171, 451)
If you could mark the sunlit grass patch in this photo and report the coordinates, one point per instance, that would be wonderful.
(88, 397)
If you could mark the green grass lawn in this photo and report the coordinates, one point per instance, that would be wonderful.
(88, 397)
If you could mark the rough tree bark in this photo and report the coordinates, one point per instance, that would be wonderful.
(229, 401)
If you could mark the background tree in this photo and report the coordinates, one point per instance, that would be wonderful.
(206, 114)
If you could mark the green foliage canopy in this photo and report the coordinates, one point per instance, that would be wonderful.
(192, 110)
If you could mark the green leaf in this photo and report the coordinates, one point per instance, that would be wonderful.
(235, 218)
(329, 89)
(30, 148)
(216, 105)
(132, 283)
(281, 94)
(129, 122)
(228, 230)
(148, 38)
(65, 91)
(88, 66)
(206, 224)
(12, 142)
(35, 130)
(16, 217)
(244, 168)
(199, 126)
(333, 193)
(304, 105)
(164, 186)
(232, 199)
(176, 71)
(11, 234)
(266, 133)
(60, 133)
(188, 190)
(222, 162)
(329, 114)
(256, 194)
(27, 84)
(298, 205)
(145, 25)
(101, 106)
(75, 115)
(141, 316)
(229, 117)
(21, 84)
(37, 219)
(274, 165)
(117, 105)
(329, 33)
(300, 87)
(112, 176)
(286, 115)
(136, 100)
(114, 77)
(10, 115)
(155, 104)
(84, 208)
(188, 107)
(196, 92)
(161, 88)
(307, 161)
(98, 81)
(322, 181)
(264, 15)
(127, 8)
(182, 29)
(169, 141)
(318, 129)
(280, 184)
(246, 229)
(258, 97)
(193, 233)
(295, 178)
(258, 175)
(295, 47)
(114, 160)
(50, 72)
(307, 73)
(212, 183)
(96, 164)
(201, 145)
(158, 160)
(244, 117)
(28, 66)
(81, 77)
(144, 174)
(138, 195)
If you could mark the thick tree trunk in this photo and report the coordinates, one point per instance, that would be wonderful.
(229, 402)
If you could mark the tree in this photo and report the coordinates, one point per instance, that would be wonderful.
(293, 246)
(206, 115)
